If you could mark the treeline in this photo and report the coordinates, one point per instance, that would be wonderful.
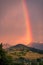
(8, 60)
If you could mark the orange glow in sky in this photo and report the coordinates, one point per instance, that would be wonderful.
(27, 37)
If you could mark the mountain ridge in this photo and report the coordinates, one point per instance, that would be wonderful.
(23, 47)
(36, 45)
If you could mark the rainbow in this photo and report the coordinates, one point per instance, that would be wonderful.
(29, 37)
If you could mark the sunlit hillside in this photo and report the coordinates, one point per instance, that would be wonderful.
(21, 55)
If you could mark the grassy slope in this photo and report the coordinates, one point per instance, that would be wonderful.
(26, 54)
(24, 51)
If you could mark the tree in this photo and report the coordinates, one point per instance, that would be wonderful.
(4, 59)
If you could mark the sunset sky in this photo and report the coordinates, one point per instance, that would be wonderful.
(21, 21)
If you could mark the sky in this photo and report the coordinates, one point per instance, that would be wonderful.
(13, 18)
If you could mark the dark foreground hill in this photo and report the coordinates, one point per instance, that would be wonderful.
(21, 47)
(20, 55)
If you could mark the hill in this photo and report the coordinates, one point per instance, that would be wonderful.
(22, 47)
(21, 55)
(36, 45)
(21, 50)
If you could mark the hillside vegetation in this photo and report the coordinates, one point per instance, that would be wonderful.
(20, 55)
